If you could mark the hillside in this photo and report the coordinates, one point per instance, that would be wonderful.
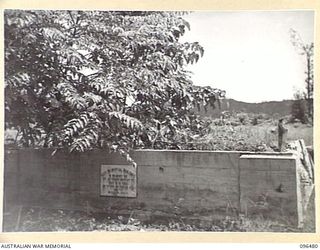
(272, 108)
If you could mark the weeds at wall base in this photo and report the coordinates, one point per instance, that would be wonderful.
(47, 220)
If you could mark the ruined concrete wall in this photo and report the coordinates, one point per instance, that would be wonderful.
(172, 182)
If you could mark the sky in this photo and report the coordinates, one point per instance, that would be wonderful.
(249, 54)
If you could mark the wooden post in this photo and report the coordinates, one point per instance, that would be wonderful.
(281, 132)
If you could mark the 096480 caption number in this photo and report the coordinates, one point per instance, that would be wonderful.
(308, 245)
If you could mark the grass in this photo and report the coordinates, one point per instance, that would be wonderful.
(300, 131)
(50, 220)
(231, 135)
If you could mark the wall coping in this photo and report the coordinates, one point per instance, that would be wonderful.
(165, 150)
(278, 157)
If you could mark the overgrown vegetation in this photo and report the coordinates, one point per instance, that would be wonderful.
(113, 79)
(117, 80)
(302, 108)
(239, 132)
(245, 132)
(299, 109)
(36, 219)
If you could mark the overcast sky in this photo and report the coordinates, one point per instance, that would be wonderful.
(249, 53)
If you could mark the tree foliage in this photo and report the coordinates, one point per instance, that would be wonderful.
(299, 108)
(306, 50)
(114, 79)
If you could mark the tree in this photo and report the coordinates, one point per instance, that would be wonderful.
(114, 79)
(298, 108)
(305, 50)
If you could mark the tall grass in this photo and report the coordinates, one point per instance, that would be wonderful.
(238, 138)
(247, 137)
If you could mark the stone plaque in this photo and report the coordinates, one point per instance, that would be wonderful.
(119, 180)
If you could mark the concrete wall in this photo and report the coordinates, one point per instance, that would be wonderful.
(168, 182)
(268, 186)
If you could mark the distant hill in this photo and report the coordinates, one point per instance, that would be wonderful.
(272, 108)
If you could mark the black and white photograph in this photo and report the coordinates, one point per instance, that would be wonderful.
(149, 121)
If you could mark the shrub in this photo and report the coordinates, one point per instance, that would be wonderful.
(299, 110)
(254, 121)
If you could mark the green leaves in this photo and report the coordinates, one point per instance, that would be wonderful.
(83, 131)
(128, 121)
(19, 80)
(109, 79)
(71, 96)
(53, 34)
